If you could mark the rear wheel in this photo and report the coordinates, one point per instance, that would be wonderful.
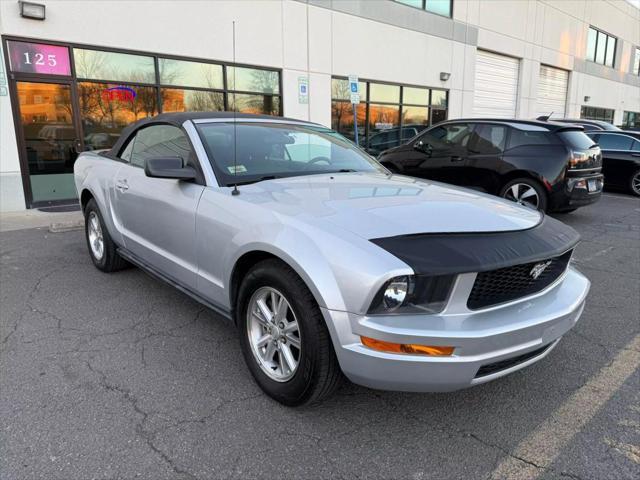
(283, 336)
(526, 192)
(634, 183)
(102, 249)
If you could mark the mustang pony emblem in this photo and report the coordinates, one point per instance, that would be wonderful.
(538, 268)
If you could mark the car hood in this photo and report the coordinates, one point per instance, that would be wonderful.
(375, 205)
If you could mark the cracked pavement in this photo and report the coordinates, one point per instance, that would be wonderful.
(121, 377)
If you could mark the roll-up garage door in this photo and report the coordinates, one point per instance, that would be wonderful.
(552, 91)
(496, 88)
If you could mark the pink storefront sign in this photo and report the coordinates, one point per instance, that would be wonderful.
(26, 57)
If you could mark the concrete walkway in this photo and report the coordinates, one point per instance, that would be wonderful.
(55, 221)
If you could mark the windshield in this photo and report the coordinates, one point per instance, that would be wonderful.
(273, 150)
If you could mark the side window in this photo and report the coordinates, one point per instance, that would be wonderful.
(520, 138)
(159, 141)
(636, 146)
(488, 139)
(126, 153)
(447, 136)
(615, 142)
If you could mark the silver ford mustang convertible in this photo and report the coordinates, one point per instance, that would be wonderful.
(326, 262)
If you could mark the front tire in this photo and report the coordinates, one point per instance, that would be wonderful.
(634, 183)
(527, 192)
(283, 336)
(102, 249)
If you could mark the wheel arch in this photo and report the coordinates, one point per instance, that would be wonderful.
(251, 257)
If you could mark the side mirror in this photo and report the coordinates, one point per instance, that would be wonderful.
(168, 167)
(423, 147)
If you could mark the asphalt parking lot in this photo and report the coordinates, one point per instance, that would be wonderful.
(120, 376)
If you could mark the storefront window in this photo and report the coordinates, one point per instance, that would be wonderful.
(261, 104)
(119, 67)
(388, 114)
(631, 120)
(190, 74)
(182, 100)
(105, 109)
(252, 80)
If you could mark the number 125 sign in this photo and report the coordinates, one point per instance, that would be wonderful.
(41, 58)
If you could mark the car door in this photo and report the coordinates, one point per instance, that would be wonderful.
(619, 159)
(439, 154)
(484, 156)
(158, 215)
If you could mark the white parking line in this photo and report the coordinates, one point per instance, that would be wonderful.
(539, 449)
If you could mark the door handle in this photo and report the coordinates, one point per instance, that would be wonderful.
(456, 158)
(122, 185)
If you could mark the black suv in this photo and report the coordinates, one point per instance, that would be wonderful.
(544, 165)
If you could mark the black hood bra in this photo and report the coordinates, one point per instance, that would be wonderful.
(447, 253)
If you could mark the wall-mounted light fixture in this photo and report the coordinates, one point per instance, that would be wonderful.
(36, 11)
(587, 98)
(444, 76)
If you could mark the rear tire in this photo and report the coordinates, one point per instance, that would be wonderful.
(634, 183)
(527, 192)
(267, 325)
(102, 249)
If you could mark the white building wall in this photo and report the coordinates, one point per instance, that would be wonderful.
(375, 39)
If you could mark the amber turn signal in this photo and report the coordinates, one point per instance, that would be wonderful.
(382, 346)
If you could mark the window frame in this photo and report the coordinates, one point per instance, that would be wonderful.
(608, 37)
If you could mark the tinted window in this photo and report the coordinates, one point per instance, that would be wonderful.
(124, 67)
(636, 146)
(576, 139)
(448, 135)
(615, 142)
(190, 74)
(159, 141)
(520, 138)
(488, 139)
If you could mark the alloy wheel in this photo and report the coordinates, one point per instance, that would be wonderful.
(274, 334)
(635, 183)
(96, 241)
(523, 194)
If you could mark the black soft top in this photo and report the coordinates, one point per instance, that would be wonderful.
(178, 118)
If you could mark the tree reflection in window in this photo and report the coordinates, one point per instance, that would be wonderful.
(104, 115)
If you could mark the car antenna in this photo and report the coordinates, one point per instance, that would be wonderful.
(235, 190)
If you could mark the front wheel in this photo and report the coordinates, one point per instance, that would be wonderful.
(634, 184)
(283, 336)
(526, 192)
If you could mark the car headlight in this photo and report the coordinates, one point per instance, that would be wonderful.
(412, 294)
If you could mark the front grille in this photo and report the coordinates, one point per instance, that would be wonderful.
(510, 283)
(491, 368)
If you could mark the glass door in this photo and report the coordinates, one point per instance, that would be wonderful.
(49, 139)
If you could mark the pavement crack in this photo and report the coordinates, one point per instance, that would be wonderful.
(147, 437)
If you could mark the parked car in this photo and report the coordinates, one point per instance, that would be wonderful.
(543, 165)
(324, 260)
(620, 159)
(588, 125)
(392, 137)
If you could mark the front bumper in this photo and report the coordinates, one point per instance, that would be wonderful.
(480, 338)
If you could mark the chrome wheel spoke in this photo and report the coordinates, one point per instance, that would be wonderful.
(264, 309)
(270, 351)
(515, 191)
(293, 341)
(288, 357)
(528, 193)
(262, 341)
(290, 327)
